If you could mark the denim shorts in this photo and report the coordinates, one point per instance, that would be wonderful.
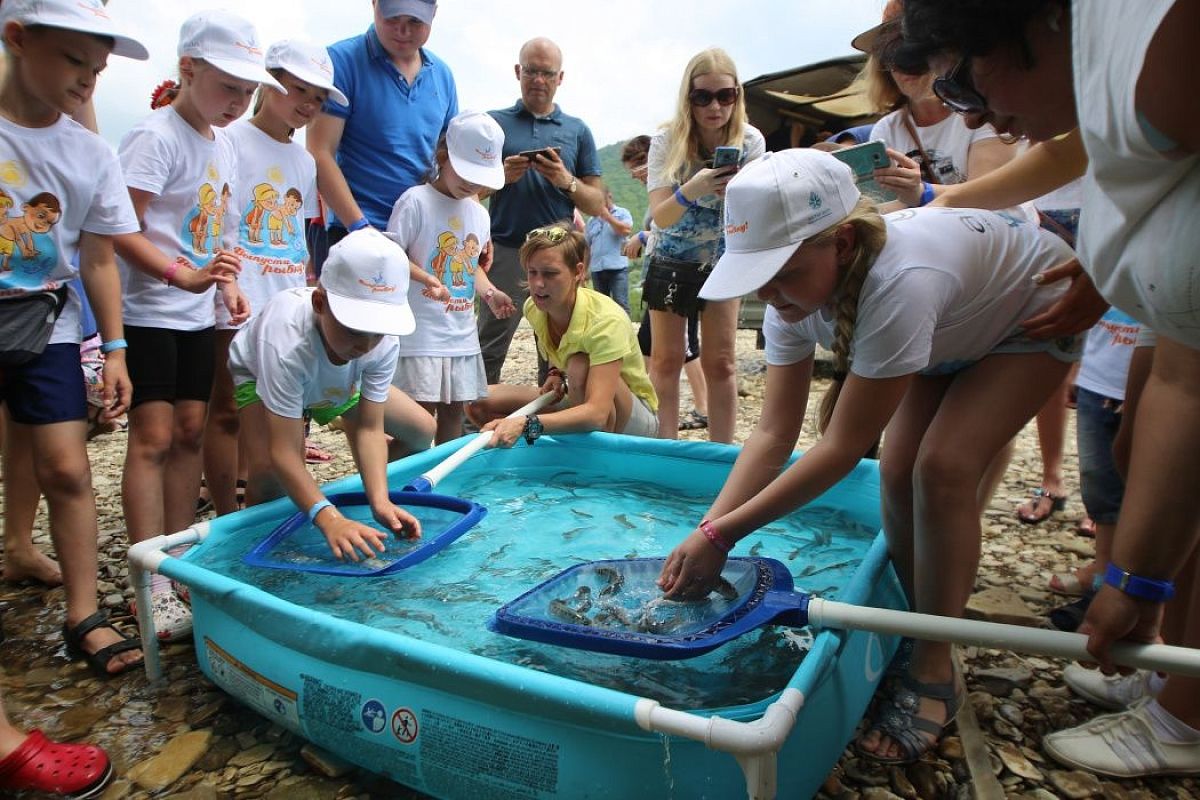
(673, 285)
(1096, 423)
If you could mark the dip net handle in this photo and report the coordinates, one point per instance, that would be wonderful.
(832, 614)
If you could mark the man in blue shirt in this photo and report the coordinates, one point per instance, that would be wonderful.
(538, 190)
(606, 239)
(402, 97)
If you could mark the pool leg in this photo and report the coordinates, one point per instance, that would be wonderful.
(760, 772)
(144, 558)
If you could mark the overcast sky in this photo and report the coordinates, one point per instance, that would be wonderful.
(623, 59)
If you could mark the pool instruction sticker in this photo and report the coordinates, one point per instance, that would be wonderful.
(404, 726)
(263, 695)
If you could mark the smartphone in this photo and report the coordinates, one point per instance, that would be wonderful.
(541, 151)
(864, 159)
(725, 156)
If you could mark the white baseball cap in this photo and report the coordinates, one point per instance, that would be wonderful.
(229, 43)
(421, 9)
(85, 16)
(476, 145)
(771, 206)
(307, 61)
(365, 278)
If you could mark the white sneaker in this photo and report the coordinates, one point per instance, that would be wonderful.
(1111, 692)
(172, 617)
(1122, 745)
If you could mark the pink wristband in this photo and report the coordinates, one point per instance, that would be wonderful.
(713, 535)
(171, 270)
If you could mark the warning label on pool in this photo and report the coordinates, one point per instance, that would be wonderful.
(463, 758)
(265, 696)
(404, 725)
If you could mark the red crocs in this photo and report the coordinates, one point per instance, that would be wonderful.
(76, 771)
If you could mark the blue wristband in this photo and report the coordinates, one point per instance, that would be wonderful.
(926, 193)
(682, 200)
(113, 344)
(642, 237)
(1151, 589)
(317, 508)
(358, 224)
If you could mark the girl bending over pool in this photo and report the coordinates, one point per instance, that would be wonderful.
(921, 309)
(595, 364)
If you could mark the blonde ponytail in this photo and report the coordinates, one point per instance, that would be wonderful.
(870, 234)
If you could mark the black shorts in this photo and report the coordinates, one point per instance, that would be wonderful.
(674, 286)
(170, 365)
(693, 336)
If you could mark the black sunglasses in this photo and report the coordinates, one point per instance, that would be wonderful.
(703, 97)
(957, 92)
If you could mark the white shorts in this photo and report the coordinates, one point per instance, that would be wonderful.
(441, 379)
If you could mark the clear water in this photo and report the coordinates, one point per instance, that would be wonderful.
(541, 521)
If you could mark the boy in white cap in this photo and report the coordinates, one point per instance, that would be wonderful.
(330, 351)
(181, 170)
(922, 310)
(61, 196)
(276, 192)
(444, 228)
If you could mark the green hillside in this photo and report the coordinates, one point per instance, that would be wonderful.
(627, 192)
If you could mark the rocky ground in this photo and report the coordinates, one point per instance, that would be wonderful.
(189, 741)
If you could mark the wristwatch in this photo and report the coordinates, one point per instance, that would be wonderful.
(533, 428)
(572, 186)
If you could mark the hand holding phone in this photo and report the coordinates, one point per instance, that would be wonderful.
(726, 156)
(545, 152)
(864, 159)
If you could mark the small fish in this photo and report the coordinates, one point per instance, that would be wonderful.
(571, 534)
(632, 554)
(792, 555)
(623, 521)
(579, 513)
(613, 581)
(726, 589)
(612, 615)
(563, 611)
(583, 599)
(757, 548)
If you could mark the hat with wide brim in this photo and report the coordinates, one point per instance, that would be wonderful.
(868, 39)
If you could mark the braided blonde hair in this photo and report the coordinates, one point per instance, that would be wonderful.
(870, 235)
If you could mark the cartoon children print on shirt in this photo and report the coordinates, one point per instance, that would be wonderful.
(454, 264)
(204, 226)
(27, 251)
(284, 233)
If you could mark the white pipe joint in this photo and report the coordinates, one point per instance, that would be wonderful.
(763, 735)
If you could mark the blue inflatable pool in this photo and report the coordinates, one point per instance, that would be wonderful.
(399, 674)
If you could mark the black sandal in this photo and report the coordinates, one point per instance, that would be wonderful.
(693, 421)
(99, 660)
(1070, 616)
(897, 718)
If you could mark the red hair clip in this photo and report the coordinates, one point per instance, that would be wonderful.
(164, 94)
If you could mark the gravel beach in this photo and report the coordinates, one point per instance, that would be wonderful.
(189, 741)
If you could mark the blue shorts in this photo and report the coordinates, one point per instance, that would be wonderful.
(1096, 424)
(1067, 349)
(46, 390)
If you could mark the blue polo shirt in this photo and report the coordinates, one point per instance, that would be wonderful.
(392, 126)
(604, 243)
(520, 207)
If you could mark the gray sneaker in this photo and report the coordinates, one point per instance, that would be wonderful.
(1112, 692)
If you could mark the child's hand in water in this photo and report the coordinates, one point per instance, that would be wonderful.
(349, 539)
(692, 569)
(398, 521)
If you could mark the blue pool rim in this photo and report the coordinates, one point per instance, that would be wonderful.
(471, 513)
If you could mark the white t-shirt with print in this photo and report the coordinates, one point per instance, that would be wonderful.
(193, 179)
(947, 142)
(947, 288)
(281, 350)
(444, 237)
(55, 183)
(275, 193)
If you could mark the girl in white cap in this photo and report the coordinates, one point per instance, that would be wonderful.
(445, 229)
(922, 310)
(179, 168)
(276, 191)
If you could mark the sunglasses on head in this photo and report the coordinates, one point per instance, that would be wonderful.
(703, 97)
(553, 233)
(957, 92)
